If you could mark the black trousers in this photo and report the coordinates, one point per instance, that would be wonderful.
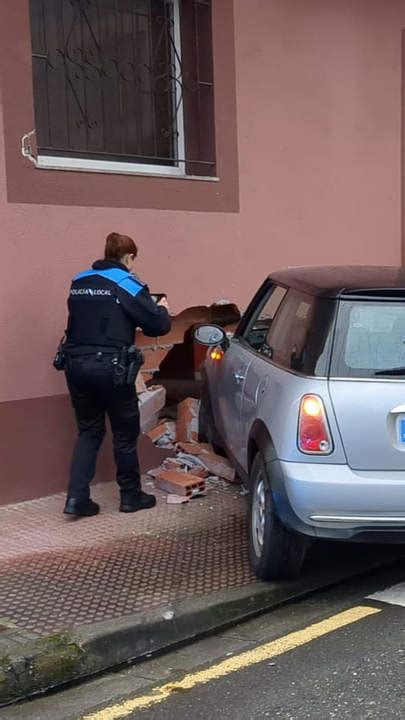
(93, 395)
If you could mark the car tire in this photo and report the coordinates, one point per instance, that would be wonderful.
(207, 432)
(275, 552)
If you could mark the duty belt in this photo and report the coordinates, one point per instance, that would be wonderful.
(89, 350)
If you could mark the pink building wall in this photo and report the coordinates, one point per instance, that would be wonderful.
(319, 142)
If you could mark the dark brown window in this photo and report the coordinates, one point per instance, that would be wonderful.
(300, 337)
(288, 335)
(124, 81)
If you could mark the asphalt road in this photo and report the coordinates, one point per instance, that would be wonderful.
(338, 654)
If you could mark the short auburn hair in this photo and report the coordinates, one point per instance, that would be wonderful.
(116, 246)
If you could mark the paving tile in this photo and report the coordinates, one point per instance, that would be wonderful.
(56, 572)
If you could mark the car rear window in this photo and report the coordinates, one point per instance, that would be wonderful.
(369, 339)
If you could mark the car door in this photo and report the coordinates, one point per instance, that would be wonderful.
(288, 316)
(227, 378)
(242, 365)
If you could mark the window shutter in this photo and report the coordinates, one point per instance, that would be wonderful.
(198, 86)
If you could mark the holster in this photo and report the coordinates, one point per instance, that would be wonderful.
(135, 362)
(126, 365)
(59, 361)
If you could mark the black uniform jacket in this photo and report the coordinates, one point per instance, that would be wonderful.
(107, 303)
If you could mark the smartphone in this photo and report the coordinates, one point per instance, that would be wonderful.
(157, 297)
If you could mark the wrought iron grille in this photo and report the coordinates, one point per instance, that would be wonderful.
(115, 80)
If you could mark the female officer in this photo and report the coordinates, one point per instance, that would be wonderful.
(106, 304)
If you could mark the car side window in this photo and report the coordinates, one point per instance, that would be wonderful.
(289, 334)
(262, 319)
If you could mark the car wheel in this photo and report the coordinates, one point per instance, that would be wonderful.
(207, 432)
(275, 552)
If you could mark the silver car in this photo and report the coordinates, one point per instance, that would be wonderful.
(308, 401)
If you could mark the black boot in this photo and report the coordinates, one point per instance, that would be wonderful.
(132, 502)
(81, 508)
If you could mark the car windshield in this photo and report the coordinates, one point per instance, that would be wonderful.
(370, 339)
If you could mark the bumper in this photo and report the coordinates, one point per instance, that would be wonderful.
(333, 501)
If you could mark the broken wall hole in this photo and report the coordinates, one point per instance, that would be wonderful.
(174, 361)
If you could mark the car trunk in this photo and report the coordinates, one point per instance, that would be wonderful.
(371, 418)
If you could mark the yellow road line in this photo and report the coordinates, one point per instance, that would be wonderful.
(237, 662)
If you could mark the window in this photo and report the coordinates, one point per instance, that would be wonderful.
(259, 326)
(300, 337)
(124, 85)
(370, 339)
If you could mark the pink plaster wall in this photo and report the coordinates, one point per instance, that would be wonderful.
(319, 123)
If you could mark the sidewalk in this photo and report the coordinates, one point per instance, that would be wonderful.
(80, 596)
(58, 572)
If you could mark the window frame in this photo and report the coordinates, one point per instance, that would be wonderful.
(324, 316)
(322, 327)
(177, 170)
(25, 185)
(339, 370)
(258, 308)
(290, 297)
(262, 292)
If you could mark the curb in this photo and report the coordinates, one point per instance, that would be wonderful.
(30, 666)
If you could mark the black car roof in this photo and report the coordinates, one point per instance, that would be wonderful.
(337, 280)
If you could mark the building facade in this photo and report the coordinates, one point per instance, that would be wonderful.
(227, 137)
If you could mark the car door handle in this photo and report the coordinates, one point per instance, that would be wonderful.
(239, 377)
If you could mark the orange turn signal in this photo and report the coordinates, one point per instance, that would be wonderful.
(216, 354)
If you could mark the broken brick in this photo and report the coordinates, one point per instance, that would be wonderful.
(151, 403)
(179, 483)
(200, 472)
(194, 448)
(187, 421)
(218, 465)
(163, 434)
(177, 464)
(172, 464)
(140, 384)
(157, 432)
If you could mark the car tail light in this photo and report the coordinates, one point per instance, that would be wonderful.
(313, 430)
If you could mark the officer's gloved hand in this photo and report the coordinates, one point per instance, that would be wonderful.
(163, 303)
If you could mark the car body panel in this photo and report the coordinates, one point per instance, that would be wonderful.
(338, 498)
(226, 379)
(267, 394)
(369, 414)
(357, 491)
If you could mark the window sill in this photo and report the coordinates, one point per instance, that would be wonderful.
(47, 162)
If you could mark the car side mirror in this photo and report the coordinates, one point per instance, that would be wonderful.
(211, 336)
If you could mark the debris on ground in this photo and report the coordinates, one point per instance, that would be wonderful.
(163, 435)
(218, 465)
(177, 499)
(195, 466)
(194, 448)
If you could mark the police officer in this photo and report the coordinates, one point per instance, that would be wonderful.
(106, 305)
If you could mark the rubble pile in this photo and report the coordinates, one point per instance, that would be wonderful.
(195, 466)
